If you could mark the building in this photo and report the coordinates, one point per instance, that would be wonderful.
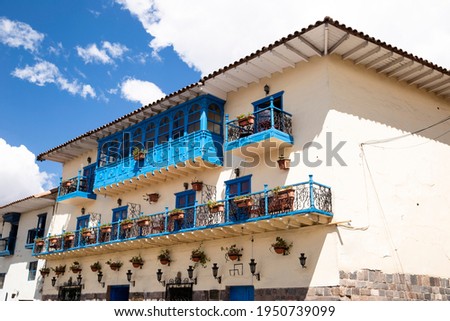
(22, 222)
(328, 139)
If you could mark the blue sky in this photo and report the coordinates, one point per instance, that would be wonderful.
(67, 67)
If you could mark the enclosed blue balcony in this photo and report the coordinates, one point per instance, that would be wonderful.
(77, 189)
(179, 141)
(267, 127)
(295, 206)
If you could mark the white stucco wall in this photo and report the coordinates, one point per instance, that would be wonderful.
(394, 194)
(17, 286)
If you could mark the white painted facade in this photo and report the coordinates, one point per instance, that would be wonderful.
(388, 178)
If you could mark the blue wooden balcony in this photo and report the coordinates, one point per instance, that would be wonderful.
(302, 204)
(177, 142)
(76, 189)
(269, 124)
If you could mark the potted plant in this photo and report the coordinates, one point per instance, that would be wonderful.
(53, 239)
(164, 257)
(233, 252)
(44, 271)
(69, 236)
(152, 197)
(243, 201)
(126, 224)
(285, 192)
(86, 232)
(176, 214)
(39, 241)
(215, 206)
(137, 261)
(284, 163)
(96, 266)
(59, 269)
(246, 119)
(197, 185)
(114, 265)
(75, 267)
(143, 221)
(199, 256)
(106, 228)
(138, 153)
(281, 246)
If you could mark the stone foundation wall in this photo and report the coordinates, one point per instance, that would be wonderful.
(368, 285)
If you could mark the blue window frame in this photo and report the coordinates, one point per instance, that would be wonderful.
(185, 199)
(194, 118)
(263, 114)
(82, 222)
(239, 186)
(32, 268)
(236, 187)
(214, 119)
(36, 232)
(182, 200)
(118, 214)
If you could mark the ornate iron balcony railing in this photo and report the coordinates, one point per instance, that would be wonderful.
(302, 198)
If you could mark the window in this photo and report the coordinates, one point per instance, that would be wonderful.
(136, 139)
(82, 222)
(150, 133)
(118, 214)
(36, 232)
(194, 118)
(164, 127)
(238, 186)
(178, 125)
(214, 119)
(109, 152)
(32, 268)
(262, 112)
(185, 199)
(2, 279)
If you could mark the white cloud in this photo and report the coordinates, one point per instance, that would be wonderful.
(44, 72)
(209, 34)
(20, 174)
(144, 92)
(106, 55)
(116, 50)
(18, 34)
(91, 54)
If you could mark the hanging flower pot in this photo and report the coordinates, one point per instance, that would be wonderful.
(96, 266)
(197, 186)
(114, 265)
(284, 163)
(39, 242)
(137, 261)
(45, 271)
(164, 257)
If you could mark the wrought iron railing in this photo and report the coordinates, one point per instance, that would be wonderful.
(301, 198)
(78, 183)
(262, 120)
